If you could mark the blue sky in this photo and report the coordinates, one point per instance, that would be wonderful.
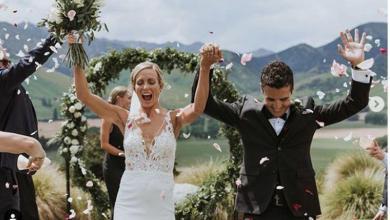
(236, 25)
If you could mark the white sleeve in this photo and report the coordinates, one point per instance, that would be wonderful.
(362, 76)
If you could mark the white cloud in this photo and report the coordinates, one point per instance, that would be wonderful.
(237, 25)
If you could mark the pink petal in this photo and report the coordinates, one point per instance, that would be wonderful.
(71, 14)
(246, 57)
(383, 50)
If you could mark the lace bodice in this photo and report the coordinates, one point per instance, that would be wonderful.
(161, 154)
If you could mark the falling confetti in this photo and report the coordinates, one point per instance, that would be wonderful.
(186, 135)
(38, 65)
(28, 39)
(377, 42)
(46, 53)
(27, 81)
(229, 66)
(186, 95)
(216, 146)
(337, 90)
(6, 36)
(348, 137)
(20, 54)
(54, 49)
(367, 64)
(367, 47)
(345, 84)
(50, 121)
(25, 47)
(338, 70)
(7, 185)
(279, 187)
(18, 92)
(246, 57)
(369, 37)
(33, 133)
(178, 45)
(238, 182)
(25, 26)
(89, 184)
(383, 50)
(17, 37)
(320, 95)
(72, 214)
(324, 60)
(320, 123)
(307, 111)
(263, 160)
(70, 199)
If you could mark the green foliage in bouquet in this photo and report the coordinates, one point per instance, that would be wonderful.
(79, 17)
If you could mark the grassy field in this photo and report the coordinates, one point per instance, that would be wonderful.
(192, 152)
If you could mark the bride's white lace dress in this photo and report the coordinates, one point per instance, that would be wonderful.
(146, 188)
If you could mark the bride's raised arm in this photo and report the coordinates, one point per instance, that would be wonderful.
(103, 109)
(209, 54)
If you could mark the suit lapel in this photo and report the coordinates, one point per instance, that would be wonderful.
(264, 121)
(293, 123)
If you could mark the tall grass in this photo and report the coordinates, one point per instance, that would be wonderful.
(196, 175)
(353, 186)
(50, 195)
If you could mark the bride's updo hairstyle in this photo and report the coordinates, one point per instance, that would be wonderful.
(146, 65)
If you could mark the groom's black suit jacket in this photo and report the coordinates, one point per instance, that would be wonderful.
(288, 153)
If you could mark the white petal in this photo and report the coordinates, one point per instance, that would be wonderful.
(20, 54)
(337, 90)
(307, 111)
(320, 123)
(186, 135)
(186, 95)
(25, 26)
(6, 36)
(17, 37)
(33, 133)
(28, 40)
(229, 66)
(89, 184)
(216, 146)
(367, 47)
(18, 92)
(46, 53)
(367, 64)
(25, 47)
(348, 137)
(369, 37)
(345, 84)
(320, 94)
(27, 80)
(264, 159)
(279, 187)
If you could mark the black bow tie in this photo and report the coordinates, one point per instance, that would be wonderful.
(284, 116)
(269, 115)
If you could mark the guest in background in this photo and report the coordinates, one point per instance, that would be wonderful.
(111, 140)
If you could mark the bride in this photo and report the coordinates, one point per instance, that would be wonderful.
(150, 133)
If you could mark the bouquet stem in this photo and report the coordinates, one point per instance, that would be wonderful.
(76, 56)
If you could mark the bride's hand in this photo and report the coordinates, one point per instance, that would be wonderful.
(73, 39)
(210, 54)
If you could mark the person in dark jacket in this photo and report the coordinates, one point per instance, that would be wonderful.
(17, 115)
(277, 176)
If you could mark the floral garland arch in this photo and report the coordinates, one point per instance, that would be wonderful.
(101, 71)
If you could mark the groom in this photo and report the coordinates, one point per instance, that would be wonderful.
(17, 115)
(277, 177)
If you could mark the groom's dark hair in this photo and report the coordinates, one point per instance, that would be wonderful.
(277, 74)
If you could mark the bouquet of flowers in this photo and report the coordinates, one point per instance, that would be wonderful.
(79, 17)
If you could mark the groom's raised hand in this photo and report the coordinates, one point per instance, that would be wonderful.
(210, 54)
(352, 49)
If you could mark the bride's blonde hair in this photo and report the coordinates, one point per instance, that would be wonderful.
(147, 65)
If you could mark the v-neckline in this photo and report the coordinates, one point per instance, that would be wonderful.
(153, 142)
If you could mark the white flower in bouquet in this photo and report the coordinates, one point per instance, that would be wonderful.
(75, 142)
(73, 159)
(64, 150)
(55, 16)
(97, 67)
(74, 149)
(77, 114)
(73, 98)
(83, 119)
(70, 125)
(67, 140)
(71, 14)
(75, 132)
(72, 109)
(78, 106)
(79, 17)
(83, 128)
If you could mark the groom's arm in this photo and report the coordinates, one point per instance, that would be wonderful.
(11, 77)
(355, 101)
(225, 112)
